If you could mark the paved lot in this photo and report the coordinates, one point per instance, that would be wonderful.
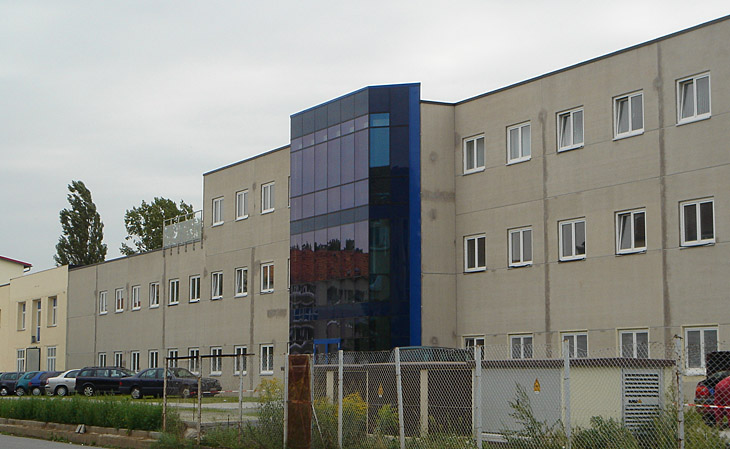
(10, 442)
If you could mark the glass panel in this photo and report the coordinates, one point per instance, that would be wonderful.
(348, 236)
(296, 208)
(480, 152)
(639, 230)
(688, 106)
(527, 245)
(642, 345)
(582, 346)
(380, 119)
(308, 170)
(379, 147)
(624, 231)
(308, 140)
(514, 143)
(580, 238)
(690, 222)
(637, 112)
(347, 196)
(710, 341)
(361, 237)
(308, 206)
(516, 348)
(481, 252)
(526, 146)
(347, 127)
(333, 238)
(578, 127)
(296, 173)
(333, 132)
(320, 202)
(515, 237)
(296, 144)
(361, 193)
(469, 149)
(361, 155)
(347, 161)
(320, 167)
(567, 236)
(694, 350)
(565, 133)
(622, 116)
(703, 95)
(333, 199)
(706, 222)
(571, 345)
(320, 240)
(470, 253)
(627, 344)
(528, 347)
(361, 123)
(333, 163)
(320, 136)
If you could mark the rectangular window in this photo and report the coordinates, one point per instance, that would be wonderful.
(172, 358)
(267, 359)
(52, 312)
(51, 358)
(37, 323)
(267, 198)
(693, 98)
(136, 299)
(267, 277)
(634, 344)
(521, 346)
(697, 222)
(475, 253)
(173, 296)
(470, 342)
(135, 361)
(630, 232)
(216, 362)
(102, 303)
(241, 282)
(240, 366)
(118, 359)
(154, 359)
(217, 211)
(577, 344)
(572, 239)
(193, 361)
(628, 113)
(20, 360)
(242, 205)
(698, 341)
(473, 154)
(216, 285)
(21, 316)
(518, 143)
(570, 129)
(154, 294)
(119, 300)
(520, 247)
(195, 288)
(102, 359)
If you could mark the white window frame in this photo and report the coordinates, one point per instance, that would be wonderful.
(242, 205)
(194, 293)
(267, 198)
(217, 211)
(20, 360)
(570, 114)
(216, 362)
(172, 355)
(193, 360)
(267, 360)
(119, 300)
(103, 304)
(216, 285)
(519, 233)
(53, 309)
(524, 154)
(698, 216)
(241, 287)
(475, 149)
(154, 295)
(267, 277)
(118, 358)
(102, 359)
(574, 335)
(572, 224)
(634, 345)
(699, 370)
(153, 358)
(629, 98)
(51, 353)
(695, 116)
(134, 355)
(525, 351)
(173, 294)
(632, 220)
(21, 315)
(477, 266)
(136, 299)
(473, 340)
(236, 368)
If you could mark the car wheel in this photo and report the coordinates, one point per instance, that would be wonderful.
(89, 390)
(136, 393)
(61, 390)
(4, 391)
(35, 391)
(20, 391)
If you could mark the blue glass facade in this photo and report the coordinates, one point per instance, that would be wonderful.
(355, 222)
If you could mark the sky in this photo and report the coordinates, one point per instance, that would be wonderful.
(139, 98)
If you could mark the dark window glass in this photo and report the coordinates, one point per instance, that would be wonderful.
(361, 103)
(361, 193)
(296, 144)
(347, 216)
(361, 123)
(379, 190)
(308, 170)
(333, 238)
(333, 113)
(320, 136)
(347, 196)
(399, 98)
(295, 227)
(296, 126)
(347, 108)
(320, 222)
(333, 132)
(399, 149)
(708, 231)
(333, 199)
(308, 140)
(379, 147)
(308, 206)
(333, 219)
(347, 163)
(320, 202)
(307, 225)
(320, 239)
(361, 155)
(296, 241)
(347, 127)
(296, 208)
(333, 163)
(296, 173)
(361, 236)
(320, 118)
(399, 190)
(308, 241)
(308, 122)
(361, 213)
(320, 167)
(378, 120)
(639, 230)
(690, 222)
(348, 236)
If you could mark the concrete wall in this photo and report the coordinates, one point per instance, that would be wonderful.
(9, 270)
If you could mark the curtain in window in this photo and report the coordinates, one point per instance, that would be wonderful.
(703, 95)
(637, 112)
(470, 155)
(514, 143)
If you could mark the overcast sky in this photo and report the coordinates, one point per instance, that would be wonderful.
(139, 98)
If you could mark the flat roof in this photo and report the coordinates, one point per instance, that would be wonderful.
(246, 160)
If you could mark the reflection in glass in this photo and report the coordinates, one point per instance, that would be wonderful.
(347, 163)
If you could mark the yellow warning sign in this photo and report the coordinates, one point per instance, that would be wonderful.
(380, 391)
(536, 386)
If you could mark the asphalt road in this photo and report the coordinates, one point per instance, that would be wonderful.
(9, 442)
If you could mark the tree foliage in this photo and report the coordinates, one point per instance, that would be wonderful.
(145, 223)
(82, 230)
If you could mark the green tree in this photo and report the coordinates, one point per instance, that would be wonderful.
(82, 230)
(145, 223)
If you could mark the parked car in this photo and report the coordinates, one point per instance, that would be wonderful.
(62, 384)
(21, 385)
(7, 383)
(36, 385)
(100, 379)
(179, 382)
(717, 368)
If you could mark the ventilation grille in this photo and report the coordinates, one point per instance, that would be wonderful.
(641, 397)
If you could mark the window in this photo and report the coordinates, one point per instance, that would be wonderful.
(20, 360)
(37, 320)
(521, 346)
(241, 281)
(154, 294)
(697, 222)
(470, 342)
(693, 98)
(242, 205)
(630, 232)
(21, 316)
(136, 300)
(172, 358)
(102, 359)
(119, 300)
(572, 239)
(102, 303)
(173, 296)
(518, 143)
(520, 247)
(218, 211)
(634, 344)
(267, 277)
(473, 154)
(52, 313)
(216, 285)
(267, 198)
(577, 344)
(216, 362)
(475, 253)
(570, 129)
(118, 359)
(267, 359)
(628, 113)
(193, 361)
(698, 342)
(195, 288)
(240, 363)
(154, 359)
(135, 361)
(51, 358)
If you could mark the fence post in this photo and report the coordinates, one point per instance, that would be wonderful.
(286, 396)
(240, 392)
(680, 394)
(164, 398)
(200, 395)
(566, 391)
(399, 390)
(478, 395)
(340, 377)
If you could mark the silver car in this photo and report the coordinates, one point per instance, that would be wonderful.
(62, 384)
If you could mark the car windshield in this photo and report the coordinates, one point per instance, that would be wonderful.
(30, 375)
(182, 372)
